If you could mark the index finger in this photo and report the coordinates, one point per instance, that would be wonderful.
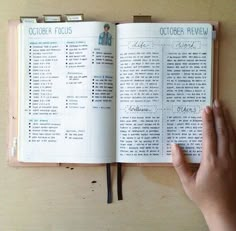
(209, 149)
(221, 130)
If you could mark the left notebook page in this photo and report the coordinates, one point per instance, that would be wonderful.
(66, 91)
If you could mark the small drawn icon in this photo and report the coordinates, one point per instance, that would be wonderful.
(105, 37)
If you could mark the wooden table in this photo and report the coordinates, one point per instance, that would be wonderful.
(59, 198)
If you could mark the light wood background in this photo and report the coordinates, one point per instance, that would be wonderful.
(62, 199)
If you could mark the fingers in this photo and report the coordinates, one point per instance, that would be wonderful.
(221, 130)
(183, 170)
(231, 134)
(209, 147)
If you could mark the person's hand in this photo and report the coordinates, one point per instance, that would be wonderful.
(213, 186)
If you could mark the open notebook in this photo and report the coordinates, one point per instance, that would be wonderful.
(96, 92)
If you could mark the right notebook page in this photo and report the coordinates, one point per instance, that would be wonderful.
(164, 79)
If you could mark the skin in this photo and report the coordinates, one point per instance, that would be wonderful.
(106, 29)
(213, 186)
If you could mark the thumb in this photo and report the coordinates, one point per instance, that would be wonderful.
(181, 166)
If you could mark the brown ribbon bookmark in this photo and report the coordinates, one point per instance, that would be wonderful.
(109, 188)
(119, 181)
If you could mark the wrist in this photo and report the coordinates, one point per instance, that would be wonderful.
(220, 220)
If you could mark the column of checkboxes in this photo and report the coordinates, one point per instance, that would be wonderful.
(93, 57)
(29, 132)
(66, 55)
(93, 91)
(30, 80)
(66, 103)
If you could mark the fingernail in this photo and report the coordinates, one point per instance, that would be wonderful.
(217, 103)
(173, 147)
(207, 109)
